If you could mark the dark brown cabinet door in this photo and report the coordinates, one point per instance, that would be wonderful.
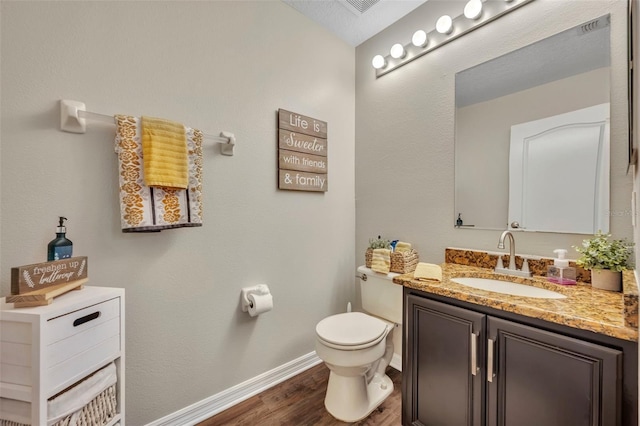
(539, 378)
(443, 363)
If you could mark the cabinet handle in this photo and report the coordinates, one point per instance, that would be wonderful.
(490, 374)
(474, 354)
(86, 318)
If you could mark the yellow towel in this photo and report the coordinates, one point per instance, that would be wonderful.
(381, 261)
(164, 153)
(402, 246)
(147, 209)
(428, 271)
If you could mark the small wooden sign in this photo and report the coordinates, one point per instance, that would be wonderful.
(29, 278)
(44, 296)
(302, 153)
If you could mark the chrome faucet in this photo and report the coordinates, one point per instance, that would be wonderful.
(512, 248)
(512, 269)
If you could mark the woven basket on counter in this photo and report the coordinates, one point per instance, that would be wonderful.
(401, 262)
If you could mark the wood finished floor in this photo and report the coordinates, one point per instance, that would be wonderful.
(299, 401)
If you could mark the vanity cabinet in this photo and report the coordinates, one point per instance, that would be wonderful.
(467, 366)
(442, 379)
(535, 377)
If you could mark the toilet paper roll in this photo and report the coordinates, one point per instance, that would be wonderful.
(260, 303)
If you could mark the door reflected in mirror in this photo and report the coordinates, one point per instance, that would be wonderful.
(559, 172)
(567, 72)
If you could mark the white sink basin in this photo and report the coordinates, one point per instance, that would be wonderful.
(507, 287)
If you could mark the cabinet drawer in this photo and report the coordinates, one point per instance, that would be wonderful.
(75, 368)
(65, 326)
(79, 341)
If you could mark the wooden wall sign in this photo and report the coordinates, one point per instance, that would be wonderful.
(302, 153)
(30, 278)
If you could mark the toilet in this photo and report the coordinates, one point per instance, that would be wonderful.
(357, 347)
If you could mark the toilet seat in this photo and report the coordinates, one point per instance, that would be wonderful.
(351, 331)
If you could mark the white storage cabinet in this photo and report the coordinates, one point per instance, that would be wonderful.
(44, 350)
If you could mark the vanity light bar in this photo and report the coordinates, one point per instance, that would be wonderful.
(460, 25)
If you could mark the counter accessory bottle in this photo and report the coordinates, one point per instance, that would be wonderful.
(60, 247)
(560, 272)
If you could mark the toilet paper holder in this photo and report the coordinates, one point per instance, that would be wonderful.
(246, 291)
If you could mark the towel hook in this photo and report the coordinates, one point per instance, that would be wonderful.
(227, 149)
(70, 120)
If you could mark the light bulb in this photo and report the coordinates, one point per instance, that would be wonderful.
(444, 25)
(378, 62)
(397, 51)
(473, 9)
(419, 38)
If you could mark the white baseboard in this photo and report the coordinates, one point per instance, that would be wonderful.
(211, 406)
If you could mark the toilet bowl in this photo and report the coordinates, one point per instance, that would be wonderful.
(357, 348)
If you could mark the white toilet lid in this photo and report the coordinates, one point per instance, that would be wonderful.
(350, 329)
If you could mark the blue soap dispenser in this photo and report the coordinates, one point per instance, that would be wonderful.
(60, 247)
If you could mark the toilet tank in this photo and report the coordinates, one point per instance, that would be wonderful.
(380, 296)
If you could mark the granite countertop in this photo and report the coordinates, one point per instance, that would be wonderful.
(586, 308)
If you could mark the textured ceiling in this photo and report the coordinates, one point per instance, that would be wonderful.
(343, 17)
(574, 51)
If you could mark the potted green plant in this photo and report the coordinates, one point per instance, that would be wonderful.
(606, 258)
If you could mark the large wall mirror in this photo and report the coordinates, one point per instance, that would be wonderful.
(532, 131)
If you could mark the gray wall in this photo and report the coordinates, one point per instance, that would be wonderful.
(215, 66)
(405, 127)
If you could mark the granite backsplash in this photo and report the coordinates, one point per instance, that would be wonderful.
(482, 259)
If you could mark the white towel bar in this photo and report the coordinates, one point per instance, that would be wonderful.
(74, 116)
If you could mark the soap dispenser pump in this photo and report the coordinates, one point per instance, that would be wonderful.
(560, 272)
(60, 247)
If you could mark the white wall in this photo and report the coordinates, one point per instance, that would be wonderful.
(405, 127)
(215, 66)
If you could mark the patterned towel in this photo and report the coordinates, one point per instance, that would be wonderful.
(381, 261)
(164, 151)
(427, 272)
(148, 209)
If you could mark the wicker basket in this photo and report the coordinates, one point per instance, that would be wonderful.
(98, 412)
(401, 262)
(10, 423)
